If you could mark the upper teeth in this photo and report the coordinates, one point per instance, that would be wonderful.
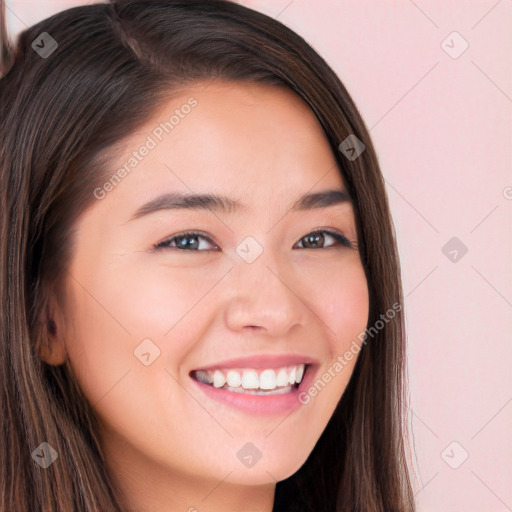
(250, 378)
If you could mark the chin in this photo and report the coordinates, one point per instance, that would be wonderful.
(263, 472)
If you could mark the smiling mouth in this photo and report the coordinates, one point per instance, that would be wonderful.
(271, 381)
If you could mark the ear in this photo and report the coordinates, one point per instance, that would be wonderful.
(51, 346)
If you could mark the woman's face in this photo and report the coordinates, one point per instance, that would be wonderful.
(260, 292)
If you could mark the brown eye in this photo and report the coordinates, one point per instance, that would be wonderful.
(316, 239)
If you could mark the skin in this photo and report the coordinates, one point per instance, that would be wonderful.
(169, 447)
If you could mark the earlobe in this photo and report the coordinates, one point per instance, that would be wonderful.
(52, 328)
(52, 348)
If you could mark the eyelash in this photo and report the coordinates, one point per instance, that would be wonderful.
(165, 244)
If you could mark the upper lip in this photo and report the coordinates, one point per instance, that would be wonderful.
(261, 361)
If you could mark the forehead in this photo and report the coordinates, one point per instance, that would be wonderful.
(253, 142)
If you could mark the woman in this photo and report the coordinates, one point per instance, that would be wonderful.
(201, 287)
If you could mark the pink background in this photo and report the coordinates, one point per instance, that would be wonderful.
(442, 127)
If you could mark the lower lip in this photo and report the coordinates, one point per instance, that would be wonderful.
(259, 404)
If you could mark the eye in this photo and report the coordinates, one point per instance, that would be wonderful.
(189, 241)
(184, 241)
(315, 239)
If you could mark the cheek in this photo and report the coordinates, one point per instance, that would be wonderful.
(97, 340)
(337, 294)
(115, 310)
(343, 304)
(113, 326)
(155, 300)
(123, 305)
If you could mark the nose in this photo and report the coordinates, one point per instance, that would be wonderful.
(264, 297)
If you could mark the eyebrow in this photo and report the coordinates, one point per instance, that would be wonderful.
(186, 201)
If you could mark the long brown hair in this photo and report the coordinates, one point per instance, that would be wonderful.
(62, 116)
